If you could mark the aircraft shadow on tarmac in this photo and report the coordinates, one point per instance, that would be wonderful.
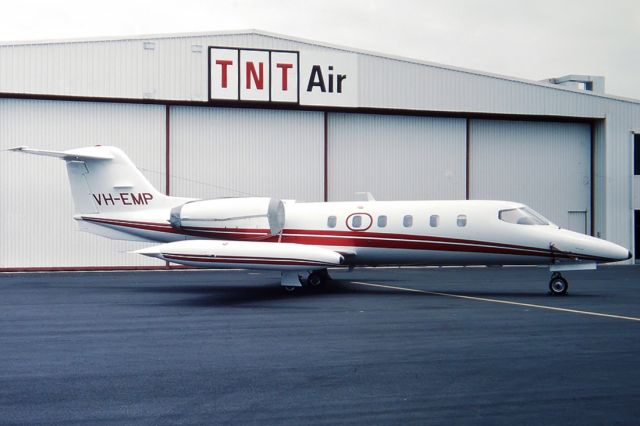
(210, 295)
(237, 294)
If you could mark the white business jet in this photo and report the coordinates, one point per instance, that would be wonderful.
(113, 199)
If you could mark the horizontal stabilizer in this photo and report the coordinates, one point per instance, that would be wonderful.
(79, 154)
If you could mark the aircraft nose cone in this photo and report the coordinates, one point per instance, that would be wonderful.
(614, 252)
(630, 255)
(602, 251)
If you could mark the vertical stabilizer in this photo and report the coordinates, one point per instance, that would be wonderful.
(104, 180)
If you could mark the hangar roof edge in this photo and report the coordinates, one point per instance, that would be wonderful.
(263, 33)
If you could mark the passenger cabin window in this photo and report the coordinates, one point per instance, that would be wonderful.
(382, 221)
(522, 216)
(462, 220)
(331, 221)
(434, 220)
(359, 221)
(407, 221)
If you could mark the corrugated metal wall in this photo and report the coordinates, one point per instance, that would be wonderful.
(222, 152)
(544, 165)
(396, 157)
(618, 173)
(37, 229)
(393, 83)
(175, 68)
(167, 68)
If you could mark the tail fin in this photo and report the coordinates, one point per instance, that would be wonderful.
(104, 180)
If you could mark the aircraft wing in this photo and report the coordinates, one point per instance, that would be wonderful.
(245, 255)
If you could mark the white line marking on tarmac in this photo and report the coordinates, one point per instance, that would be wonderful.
(504, 302)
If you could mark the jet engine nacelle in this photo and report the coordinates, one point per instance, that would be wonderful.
(256, 217)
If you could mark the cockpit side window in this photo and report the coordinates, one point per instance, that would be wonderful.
(522, 216)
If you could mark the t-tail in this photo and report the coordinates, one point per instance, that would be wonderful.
(104, 180)
(105, 183)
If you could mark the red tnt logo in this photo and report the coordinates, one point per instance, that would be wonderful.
(253, 75)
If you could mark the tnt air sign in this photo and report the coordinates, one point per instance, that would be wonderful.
(278, 76)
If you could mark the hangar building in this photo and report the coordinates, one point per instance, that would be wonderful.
(254, 113)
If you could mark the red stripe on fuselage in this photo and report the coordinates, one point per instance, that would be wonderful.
(210, 233)
(393, 243)
(361, 234)
(349, 239)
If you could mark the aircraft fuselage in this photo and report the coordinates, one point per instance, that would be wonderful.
(394, 233)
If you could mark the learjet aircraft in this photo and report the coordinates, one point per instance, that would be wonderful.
(113, 199)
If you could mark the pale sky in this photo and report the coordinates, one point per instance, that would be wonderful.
(524, 39)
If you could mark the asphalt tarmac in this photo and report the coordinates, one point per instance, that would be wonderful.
(211, 347)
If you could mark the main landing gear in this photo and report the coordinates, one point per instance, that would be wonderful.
(316, 280)
(558, 286)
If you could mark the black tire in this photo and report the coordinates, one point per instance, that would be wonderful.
(558, 286)
(316, 279)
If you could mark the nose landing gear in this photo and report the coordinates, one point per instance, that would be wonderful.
(558, 286)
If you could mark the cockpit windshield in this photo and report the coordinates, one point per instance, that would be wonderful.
(522, 216)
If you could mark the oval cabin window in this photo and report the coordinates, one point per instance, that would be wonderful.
(359, 221)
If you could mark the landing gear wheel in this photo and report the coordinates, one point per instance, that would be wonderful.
(290, 288)
(558, 286)
(318, 279)
(315, 280)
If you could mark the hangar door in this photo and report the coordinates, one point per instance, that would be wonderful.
(395, 157)
(542, 164)
(37, 228)
(231, 152)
